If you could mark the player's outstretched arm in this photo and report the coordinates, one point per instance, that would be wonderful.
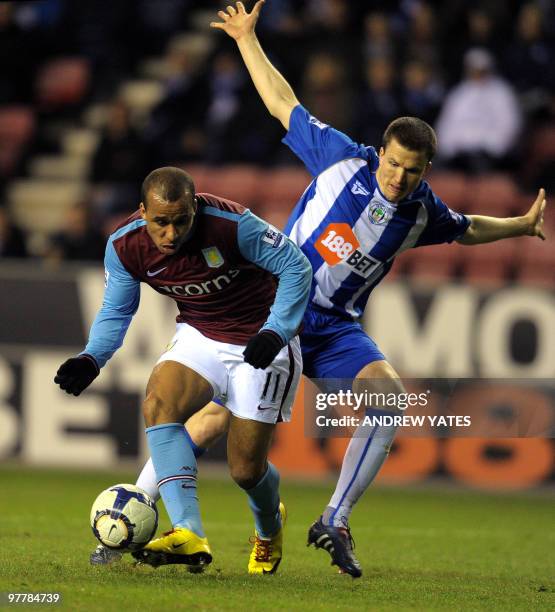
(275, 91)
(487, 229)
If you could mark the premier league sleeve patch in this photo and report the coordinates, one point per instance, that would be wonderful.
(274, 237)
(317, 123)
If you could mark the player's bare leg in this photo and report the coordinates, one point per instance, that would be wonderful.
(247, 452)
(174, 393)
(363, 459)
(208, 425)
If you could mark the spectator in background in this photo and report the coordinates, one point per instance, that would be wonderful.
(480, 119)
(421, 91)
(205, 114)
(43, 15)
(467, 26)
(378, 104)
(17, 58)
(80, 240)
(378, 41)
(482, 31)
(226, 88)
(327, 92)
(173, 133)
(530, 62)
(421, 41)
(104, 33)
(12, 238)
(120, 156)
(282, 18)
(329, 25)
(158, 21)
(234, 125)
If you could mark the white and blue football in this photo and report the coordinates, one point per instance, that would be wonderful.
(124, 517)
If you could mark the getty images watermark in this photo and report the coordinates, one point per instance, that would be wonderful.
(430, 407)
(377, 415)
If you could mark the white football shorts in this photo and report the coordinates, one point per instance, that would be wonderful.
(248, 393)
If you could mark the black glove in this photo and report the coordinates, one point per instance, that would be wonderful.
(262, 349)
(77, 373)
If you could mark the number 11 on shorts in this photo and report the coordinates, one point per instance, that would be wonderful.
(270, 390)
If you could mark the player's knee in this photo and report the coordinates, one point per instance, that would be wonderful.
(377, 371)
(381, 383)
(246, 473)
(156, 411)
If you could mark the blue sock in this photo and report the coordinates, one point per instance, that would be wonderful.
(176, 469)
(197, 450)
(264, 503)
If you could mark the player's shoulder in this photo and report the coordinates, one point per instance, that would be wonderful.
(423, 189)
(332, 137)
(371, 156)
(422, 196)
(424, 193)
(216, 206)
(434, 205)
(128, 226)
(129, 242)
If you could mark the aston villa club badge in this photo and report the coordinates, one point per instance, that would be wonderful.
(213, 257)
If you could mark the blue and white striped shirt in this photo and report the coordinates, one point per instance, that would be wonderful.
(345, 226)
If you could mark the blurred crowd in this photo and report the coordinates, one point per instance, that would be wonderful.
(482, 73)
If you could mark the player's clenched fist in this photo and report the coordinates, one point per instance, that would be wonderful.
(262, 349)
(76, 374)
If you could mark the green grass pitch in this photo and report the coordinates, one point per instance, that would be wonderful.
(421, 549)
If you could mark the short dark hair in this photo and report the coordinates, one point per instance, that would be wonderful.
(169, 183)
(413, 134)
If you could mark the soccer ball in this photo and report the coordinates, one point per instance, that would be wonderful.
(124, 517)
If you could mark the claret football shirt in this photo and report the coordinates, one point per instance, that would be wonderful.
(234, 276)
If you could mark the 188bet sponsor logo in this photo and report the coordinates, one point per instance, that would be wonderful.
(338, 243)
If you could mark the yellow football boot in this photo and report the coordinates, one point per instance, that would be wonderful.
(266, 553)
(179, 545)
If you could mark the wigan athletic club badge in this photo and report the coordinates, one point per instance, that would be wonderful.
(379, 212)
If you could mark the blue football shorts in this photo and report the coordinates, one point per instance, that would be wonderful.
(335, 347)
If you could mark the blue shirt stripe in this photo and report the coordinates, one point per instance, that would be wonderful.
(126, 229)
(216, 212)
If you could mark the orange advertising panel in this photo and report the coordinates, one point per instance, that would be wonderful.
(496, 462)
